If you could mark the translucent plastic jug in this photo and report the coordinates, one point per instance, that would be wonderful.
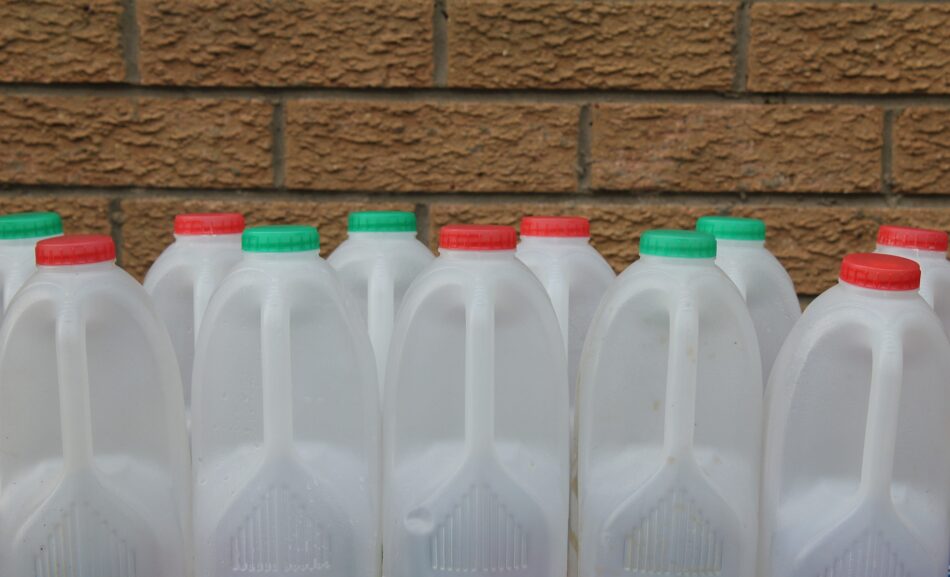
(857, 469)
(557, 250)
(761, 279)
(377, 262)
(928, 248)
(19, 234)
(187, 273)
(476, 418)
(670, 420)
(285, 421)
(94, 471)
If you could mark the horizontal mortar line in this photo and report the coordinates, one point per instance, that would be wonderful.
(822, 199)
(851, 2)
(535, 96)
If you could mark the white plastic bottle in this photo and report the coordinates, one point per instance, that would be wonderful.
(670, 420)
(857, 468)
(187, 273)
(761, 279)
(19, 234)
(377, 262)
(557, 250)
(94, 470)
(476, 418)
(285, 421)
(928, 248)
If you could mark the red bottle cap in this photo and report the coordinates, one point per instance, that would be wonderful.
(567, 226)
(75, 249)
(880, 272)
(916, 238)
(209, 223)
(477, 237)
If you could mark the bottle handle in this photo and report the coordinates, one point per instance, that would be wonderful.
(74, 393)
(559, 290)
(880, 439)
(480, 369)
(681, 374)
(380, 313)
(276, 373)
(201, 296)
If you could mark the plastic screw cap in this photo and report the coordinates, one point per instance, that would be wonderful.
(732, 227)
(477, 237)
(880, 272)
(75, 249)
(382, 221)
(30, 225)
(915, 238)
(283, 238)
(556, 226)
(678, 244)
(209, 223)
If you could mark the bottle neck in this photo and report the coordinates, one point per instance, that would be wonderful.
(95, 267)
(911, 253)
(477, 255)
(677, 262)
(281, 257)
(554, 241)
(201, 240)
(381, 236)
(877, 294)
(730, 244)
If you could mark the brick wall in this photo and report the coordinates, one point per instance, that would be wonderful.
(824, 118)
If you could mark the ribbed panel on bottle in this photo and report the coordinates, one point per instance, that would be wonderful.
(83, 543)
(279, 535)
(480, 535)
(869, 556)
(674, 538)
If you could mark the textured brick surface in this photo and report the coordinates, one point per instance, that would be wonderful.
(922, 150)
(147, 222)
(577, 44)
(60, 41)
(418, 146)
(138, 141)
(81, 213)
(290, 42)
(849, 47)
(801, 148)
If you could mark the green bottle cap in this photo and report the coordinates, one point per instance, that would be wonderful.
(382, 221)
(678, 244)
(732, 227)
(286, 238)
(30, 225)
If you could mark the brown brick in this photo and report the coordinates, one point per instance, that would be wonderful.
(82, 213)
(849, 47)
(922, 150)
(439, 147)
(147, 222)
(723, 148)
(287, 43)
(172, 142)
(662, 44)
(60, 41)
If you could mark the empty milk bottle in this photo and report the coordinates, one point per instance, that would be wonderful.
(377, 262)
(857, 469)
(187, 273)
(557, 250)
(285, 419)
(94, 472)
(476, 418)
(670, 420)
(19, 234)
(767, 289)
(928, 248)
